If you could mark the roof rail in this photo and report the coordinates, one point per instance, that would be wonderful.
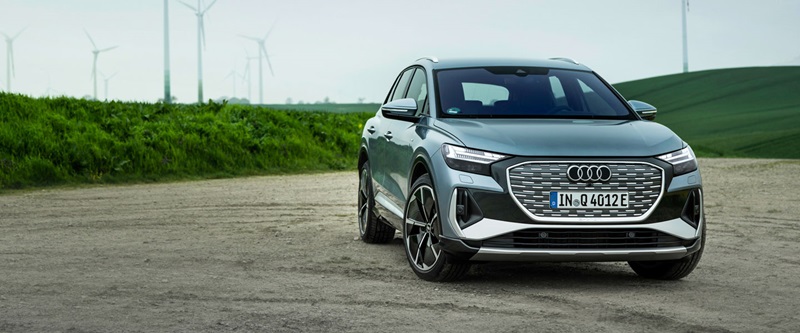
(431, 59)
(565, 60)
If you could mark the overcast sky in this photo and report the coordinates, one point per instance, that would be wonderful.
(346, 50)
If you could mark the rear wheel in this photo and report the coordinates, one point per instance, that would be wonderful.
(670, 269)
(369, 228)
(421, 231)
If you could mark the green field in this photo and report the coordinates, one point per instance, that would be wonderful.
(741, 112)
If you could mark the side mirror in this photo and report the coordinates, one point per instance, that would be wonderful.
(646, 111)
(404, 109)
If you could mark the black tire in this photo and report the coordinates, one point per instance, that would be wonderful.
(670, 269)
(369, 228)
(421, 232)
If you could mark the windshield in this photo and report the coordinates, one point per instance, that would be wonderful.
(526, 92)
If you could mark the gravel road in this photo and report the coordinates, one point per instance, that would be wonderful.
(280, 254)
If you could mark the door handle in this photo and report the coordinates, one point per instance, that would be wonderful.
(371, 130)
(389, 135)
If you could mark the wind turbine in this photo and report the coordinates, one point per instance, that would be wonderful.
(262, 53)
(234, 75)
(96, 52)
(684, 9)
(248, 76)
(105, 83)
(201, 41)
(10, 58)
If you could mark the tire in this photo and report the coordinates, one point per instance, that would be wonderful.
(369, 228)
(670, 269)
(421, 231)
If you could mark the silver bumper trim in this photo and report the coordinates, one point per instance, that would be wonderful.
(495, 254)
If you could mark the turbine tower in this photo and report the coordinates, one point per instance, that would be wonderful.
(247, 76)
(96, 52)
(201, 40)
(10, 58)
(167, 92)
(234, 75)
(262, 54)
(105, 83)
(684, 9)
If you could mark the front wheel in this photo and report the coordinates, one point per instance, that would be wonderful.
(421, 231)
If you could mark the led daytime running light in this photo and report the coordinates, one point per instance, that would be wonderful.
(677, 157)
(471, 155)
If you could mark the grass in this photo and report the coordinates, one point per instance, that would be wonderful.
(68, 141)
(740, 112)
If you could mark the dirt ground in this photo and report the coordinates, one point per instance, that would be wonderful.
(281, 254)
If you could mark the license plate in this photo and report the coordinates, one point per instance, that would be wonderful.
(593, 200)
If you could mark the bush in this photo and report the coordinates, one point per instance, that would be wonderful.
(65, 140)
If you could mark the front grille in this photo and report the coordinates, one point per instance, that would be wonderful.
(531, 183)
(584, 239)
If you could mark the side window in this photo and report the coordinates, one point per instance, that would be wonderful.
(418, 89)
(402, 83)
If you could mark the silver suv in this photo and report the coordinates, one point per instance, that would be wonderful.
(526, 160)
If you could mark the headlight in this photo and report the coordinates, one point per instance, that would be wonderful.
(469, 160)
(683, 161)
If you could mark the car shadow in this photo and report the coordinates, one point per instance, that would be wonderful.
(556, 274)
(567, 274)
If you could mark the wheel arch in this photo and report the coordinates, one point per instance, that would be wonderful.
(363, 156)
(419, 168)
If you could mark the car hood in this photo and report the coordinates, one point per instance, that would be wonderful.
(562, 137)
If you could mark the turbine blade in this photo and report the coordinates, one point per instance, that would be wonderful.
(19, 33)
(112, 75)
(188, 5)
(90, 39)
(250, 38)
(269, 32)
(109, 48)
(4, 35)
(208, 7)
(267, 57)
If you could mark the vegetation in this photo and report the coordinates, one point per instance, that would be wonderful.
(741, 112)
(746, 112)
(66, 140)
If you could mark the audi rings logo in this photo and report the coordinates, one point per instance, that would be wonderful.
(589, 173)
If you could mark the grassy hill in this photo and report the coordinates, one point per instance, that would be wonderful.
(741, 112)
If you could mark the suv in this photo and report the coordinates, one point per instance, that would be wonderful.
(526, 160)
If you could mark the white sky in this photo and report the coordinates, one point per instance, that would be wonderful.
(351, 49)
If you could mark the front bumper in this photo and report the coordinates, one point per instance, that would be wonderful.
(504, 232)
